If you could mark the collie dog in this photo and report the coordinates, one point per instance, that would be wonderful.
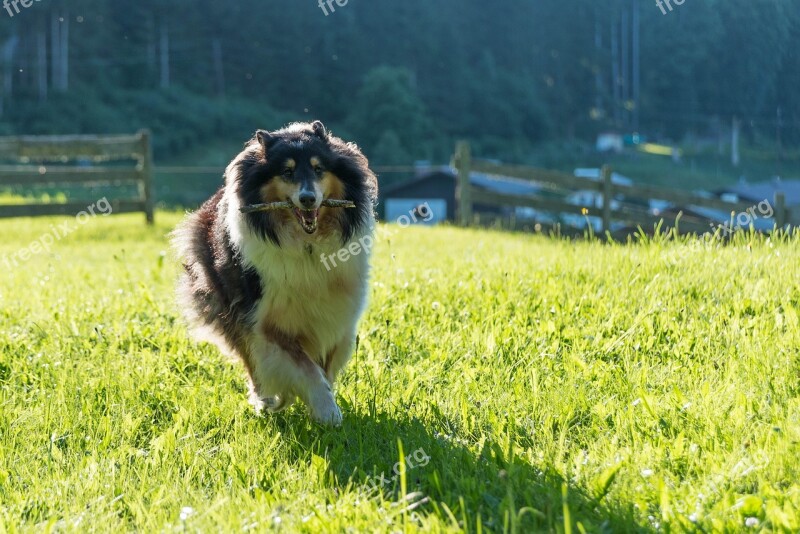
(253, 283)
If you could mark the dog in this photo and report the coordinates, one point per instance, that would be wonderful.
(253, 283)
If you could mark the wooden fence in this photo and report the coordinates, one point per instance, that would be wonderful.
(631, 200)
(83, 160)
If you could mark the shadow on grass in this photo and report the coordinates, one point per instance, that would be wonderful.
(460, 484)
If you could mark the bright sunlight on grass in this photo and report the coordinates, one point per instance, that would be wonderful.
(656, 385)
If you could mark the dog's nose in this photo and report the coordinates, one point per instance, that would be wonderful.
(308, 199)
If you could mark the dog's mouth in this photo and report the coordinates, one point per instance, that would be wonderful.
(307, 219)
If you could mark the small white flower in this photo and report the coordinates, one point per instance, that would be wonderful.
(751, 522)
(647, 472)
(186, 511)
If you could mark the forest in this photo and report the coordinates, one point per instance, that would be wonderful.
(405, 79)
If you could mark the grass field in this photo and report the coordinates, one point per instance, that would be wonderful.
(533, 385)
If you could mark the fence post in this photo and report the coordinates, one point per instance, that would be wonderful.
(608, 195)
(147, 175)
(463, 162)
(780, 209)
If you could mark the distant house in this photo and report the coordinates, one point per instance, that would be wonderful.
(610, 142)
(433, 193)
(591, 199)
(760, 195)
(437, 188)
(758, 192)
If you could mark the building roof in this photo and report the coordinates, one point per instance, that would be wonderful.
(594, 174)
(497, 184)
(420, 178)
(504, 184)
(760, 191)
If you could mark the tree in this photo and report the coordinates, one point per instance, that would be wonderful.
(387, 101)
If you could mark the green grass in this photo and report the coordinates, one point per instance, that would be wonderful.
(545, 385)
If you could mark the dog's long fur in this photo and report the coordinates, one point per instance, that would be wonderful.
(255, 285)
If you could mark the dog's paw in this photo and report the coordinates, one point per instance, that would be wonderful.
(257, 403)
(324, 410)
(331, 416)
(274, 404)
(278, 403)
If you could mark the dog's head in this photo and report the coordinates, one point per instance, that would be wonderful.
(304, 164)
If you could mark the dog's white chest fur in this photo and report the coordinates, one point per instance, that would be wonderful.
(300, 296)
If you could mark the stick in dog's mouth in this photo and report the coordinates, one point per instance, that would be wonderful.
(306, 218)
(286, 205)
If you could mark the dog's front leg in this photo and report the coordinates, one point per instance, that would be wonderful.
(338, 357)
(282, 370)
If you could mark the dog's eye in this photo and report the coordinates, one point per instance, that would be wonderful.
(288, 173)
(319, 170)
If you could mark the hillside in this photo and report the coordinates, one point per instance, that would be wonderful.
(405, 79)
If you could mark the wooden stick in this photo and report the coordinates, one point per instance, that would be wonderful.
(333, 203)
(267, 207)
(286, 205)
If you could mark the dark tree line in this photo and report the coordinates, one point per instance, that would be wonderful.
(405, 78)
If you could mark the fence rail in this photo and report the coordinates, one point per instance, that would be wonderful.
(54, 148)
(45, 161)
(467, 195)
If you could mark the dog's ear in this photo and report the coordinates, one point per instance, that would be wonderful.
(264, 138)
(320, 130)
